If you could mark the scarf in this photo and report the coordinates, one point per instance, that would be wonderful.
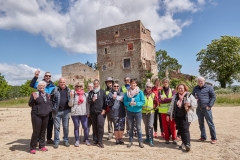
(132, 92)
(147, 94)
(179, 102)
(96, 90)
(43, 95)
(80, 94)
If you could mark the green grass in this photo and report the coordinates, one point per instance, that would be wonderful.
(15, 103)
(232, 99)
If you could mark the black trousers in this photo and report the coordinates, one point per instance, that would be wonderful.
(183, 126)
(157, 117)
(39, 125)
(50, 127)
(98, 126)
(89, 128)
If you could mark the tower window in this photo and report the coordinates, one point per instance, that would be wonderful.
(104, 68)
(105, 50)
(130, 46)
(126, 63)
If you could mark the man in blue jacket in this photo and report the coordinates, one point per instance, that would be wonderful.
(50, 86)
(206, 98)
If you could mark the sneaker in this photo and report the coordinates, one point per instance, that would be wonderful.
(141, 145)
(121, 142)
(76, 144)
(167, 142)
(110, 135)
(44, 149)
(146, 141)
(129, 144)
(33, 151)
(49, 141)
(174, 142)
(181, 146)
(214, 141)
(127, 134)
(201, 139)
(87, 143)
(155, 135)
(66, 144)
(188, 147)
(162, 134)
(151, 142)
(55, 146)
(100, 145)
(117, 142)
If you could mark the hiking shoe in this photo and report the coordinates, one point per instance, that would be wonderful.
(188, 147)
(55, 146)
(201, 139)
(129, 144)
(167, 142)
(174, 142)
(66, 144)
(33, 151)
(146, 141)
(155, 135)
(100, 145)
(121, 142)
(151, 142)
(117, 142)
(163, 135)
(214, 141)
(87, 143)
(141, 145)
(49, 141)
(76, 144)
(44, 149)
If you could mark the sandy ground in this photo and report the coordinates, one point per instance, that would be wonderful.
(16, 131)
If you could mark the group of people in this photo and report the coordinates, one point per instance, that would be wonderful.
(122, 105)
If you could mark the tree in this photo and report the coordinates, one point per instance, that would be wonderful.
(14, 92)
(25, 88)
(4, 87)
(220, 61)
(89, 64)
(164, 62)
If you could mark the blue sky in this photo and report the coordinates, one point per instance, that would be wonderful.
(64, 33)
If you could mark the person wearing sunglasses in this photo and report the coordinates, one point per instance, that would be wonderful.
(117, 112)
(48, 89)
(134, 101)
(79, 112)
(41, 107)
(148, 113)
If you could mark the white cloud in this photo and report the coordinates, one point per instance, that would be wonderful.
(18, 74)
(74, 30)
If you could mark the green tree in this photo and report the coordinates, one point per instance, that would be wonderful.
(25, 88)
(164, 62)
(55, 83)
(4, 88)
(86, 84)
(89, 64)
(14, 92)
(220, 61)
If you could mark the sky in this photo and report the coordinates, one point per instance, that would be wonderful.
(48, 34)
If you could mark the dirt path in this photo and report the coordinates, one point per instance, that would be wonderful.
(16, 130)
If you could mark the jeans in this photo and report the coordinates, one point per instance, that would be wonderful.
(201, 113)
(76, 123)
(137, 116)
(57, 118)
(148, 122)
(39, 125)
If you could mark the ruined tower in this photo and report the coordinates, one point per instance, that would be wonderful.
(125, 50)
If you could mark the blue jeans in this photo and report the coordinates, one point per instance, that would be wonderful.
(138, 118)
(201, 113)
(64, 116)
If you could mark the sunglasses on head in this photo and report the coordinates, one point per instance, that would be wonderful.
(47, 75)
(115, 86)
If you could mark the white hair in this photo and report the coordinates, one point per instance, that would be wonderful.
(42, 83)
(148, 84)
(201, 78)
(90, 84)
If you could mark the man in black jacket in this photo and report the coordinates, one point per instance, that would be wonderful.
(96, 99)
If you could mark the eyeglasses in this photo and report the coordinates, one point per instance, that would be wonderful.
(126, 80)
(79, 86)
(116, 86)
(148, 87)
(47, 75)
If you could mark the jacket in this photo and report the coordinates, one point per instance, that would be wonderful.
(79, 109)
(139, 99)
(205, 95)
(48, 88)
(191, 114)
(55, 98)
(99, 105)
(40, 107)
(117, 108)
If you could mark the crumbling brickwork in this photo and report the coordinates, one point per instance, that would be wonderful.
(125, 50)
(77, 72)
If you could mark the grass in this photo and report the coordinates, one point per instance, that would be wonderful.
(223, 100)
(15, 103)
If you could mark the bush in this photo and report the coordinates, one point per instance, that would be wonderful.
(228, 99)
(223, 91)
